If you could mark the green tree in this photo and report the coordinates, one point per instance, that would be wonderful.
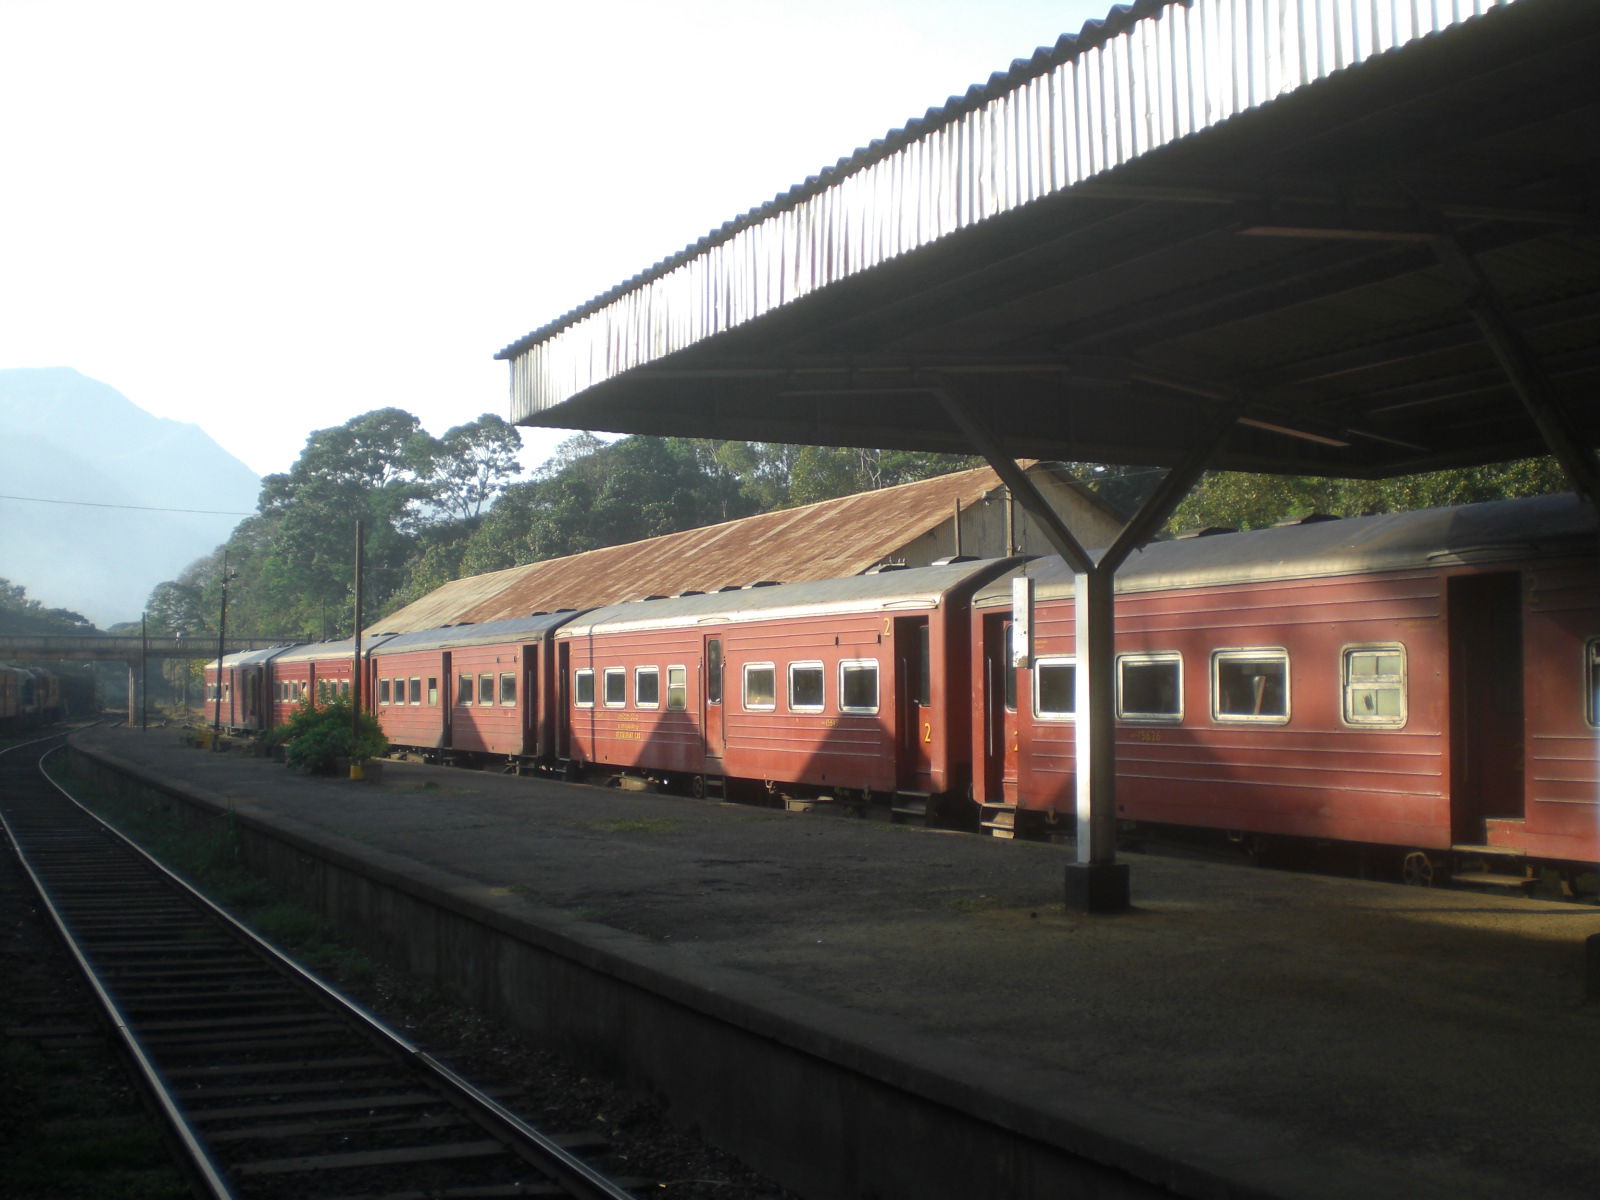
(471, 464)
(20, 613)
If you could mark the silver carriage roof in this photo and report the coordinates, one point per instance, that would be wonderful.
(885, 591)
(1493, 531)
(513, 629)
(250, 658)
(343, 648)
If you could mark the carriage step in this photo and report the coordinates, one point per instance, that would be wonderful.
(716, 787)
(1000, 820)
(1506, 851)
(1492, 879)
(909, 806)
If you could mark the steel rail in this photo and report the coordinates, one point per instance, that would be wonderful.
(561, 1167)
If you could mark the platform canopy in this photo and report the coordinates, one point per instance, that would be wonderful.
(1360, 233)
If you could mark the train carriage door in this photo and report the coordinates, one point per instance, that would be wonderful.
(1486, 720)
(1000, 716)
(532, 694)
(914, 691)
(711, 704)
(563, 701)
(447, 705)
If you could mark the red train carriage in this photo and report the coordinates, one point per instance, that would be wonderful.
(247, 691)
(852, 686)
(1425, 680)
(321, 669)
(471, 691)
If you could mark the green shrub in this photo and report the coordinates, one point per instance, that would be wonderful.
(318, 736)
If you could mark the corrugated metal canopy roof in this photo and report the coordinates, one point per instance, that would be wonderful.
(1309, 209)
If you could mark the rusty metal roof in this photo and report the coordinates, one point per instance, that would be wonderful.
(1366, 228)
(826, 540)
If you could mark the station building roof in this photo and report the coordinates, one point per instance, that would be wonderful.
(826, 540)
(1362, 232)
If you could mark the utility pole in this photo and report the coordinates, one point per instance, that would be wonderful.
(222, 637)
(355, 685)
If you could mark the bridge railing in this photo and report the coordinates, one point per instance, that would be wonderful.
(57, 646)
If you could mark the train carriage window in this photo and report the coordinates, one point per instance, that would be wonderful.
(1375, 685)
(463, 689)
(508, 688)
(1055, 685)
(806, 687)
(1591, 659)
(583, 688)
(1008, 673)
(433, 690)
(1250, 685)
(415, 696)
(344, 688)
(858, 686)
(383, 691)
(1150, 687)
(760, 686)
(647, 687)
(485, 689)
(616, 685)
(677, 689)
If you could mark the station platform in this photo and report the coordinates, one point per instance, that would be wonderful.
(1240, 1032)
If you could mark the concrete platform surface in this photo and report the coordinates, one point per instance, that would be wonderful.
(1293, 1035)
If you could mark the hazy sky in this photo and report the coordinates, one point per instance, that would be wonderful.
(266, 218)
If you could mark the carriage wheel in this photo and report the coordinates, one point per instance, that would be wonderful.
(1417, 869)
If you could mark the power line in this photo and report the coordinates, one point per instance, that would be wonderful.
(205, 512)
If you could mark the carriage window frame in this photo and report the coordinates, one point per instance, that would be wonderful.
(811, 668)
(583, 687)
(640, 692)
(384, 692)
(433, 691)
(414, 692)
(851, 667)
(508, 689)
(1591, 676)
(1152, 658)
(485, 690)
(1243, 654)
(770, 701)
(1350, 684)
(1040, 713)
(464, 689)
(614, 697)
(677, 688)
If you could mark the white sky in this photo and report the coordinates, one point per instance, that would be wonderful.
(266, 218)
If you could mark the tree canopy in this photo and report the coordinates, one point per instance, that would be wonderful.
(437, 509)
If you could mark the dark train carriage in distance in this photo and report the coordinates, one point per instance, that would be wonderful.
(470, 691)
(1424, 680)
(846, 686)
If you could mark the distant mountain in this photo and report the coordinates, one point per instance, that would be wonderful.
(64, 436)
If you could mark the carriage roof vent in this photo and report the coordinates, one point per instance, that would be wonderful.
(1208, 531)
(954, 558)
(882, 567)
(540, 612)
(691, 592)
(765, 583)
(729, 587)
(1315, 518)
(652, 596)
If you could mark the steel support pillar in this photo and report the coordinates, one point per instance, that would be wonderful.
(1095, 882)
(134, 694)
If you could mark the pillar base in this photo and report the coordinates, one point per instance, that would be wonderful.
(1097, 887)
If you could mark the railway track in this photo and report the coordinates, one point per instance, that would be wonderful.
(272, 1084)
